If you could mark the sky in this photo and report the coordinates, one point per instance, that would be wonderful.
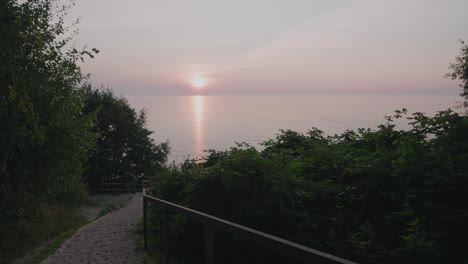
(220, 47)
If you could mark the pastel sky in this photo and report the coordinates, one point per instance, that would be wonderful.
(154, 47)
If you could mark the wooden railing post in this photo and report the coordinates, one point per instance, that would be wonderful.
(208, 244)
(164, 235)
(145, 231)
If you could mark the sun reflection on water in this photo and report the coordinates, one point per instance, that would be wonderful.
(198, 131)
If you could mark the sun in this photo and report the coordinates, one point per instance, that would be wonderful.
(198, 82)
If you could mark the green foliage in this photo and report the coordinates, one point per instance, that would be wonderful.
(459, 70)
(124, 150)
(55, 128)
(374, 196)
(45, 137)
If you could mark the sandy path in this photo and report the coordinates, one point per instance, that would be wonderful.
(109, 239)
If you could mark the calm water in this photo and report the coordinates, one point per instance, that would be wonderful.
(196, 123)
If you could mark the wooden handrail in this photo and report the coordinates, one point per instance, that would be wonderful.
(287, 248)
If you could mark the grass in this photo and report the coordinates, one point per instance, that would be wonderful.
(153, 255)
(55, 225)
(42, 254)
(50, 248)
(36, 241)
(110, 206)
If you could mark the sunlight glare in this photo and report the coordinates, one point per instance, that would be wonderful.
(198, 82)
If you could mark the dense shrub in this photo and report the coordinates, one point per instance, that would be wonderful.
(373, 196)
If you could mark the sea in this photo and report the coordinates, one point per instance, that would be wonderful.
(194, 124)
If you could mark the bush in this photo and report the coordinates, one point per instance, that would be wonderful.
(374, 196)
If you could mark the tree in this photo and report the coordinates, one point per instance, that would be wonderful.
(44, 135)
(124, 150)
(460, 71)
(51, 121)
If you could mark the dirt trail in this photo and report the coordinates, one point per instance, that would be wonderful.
(109, 239)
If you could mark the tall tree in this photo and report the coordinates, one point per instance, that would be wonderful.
(124, 150)
(44, 136)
